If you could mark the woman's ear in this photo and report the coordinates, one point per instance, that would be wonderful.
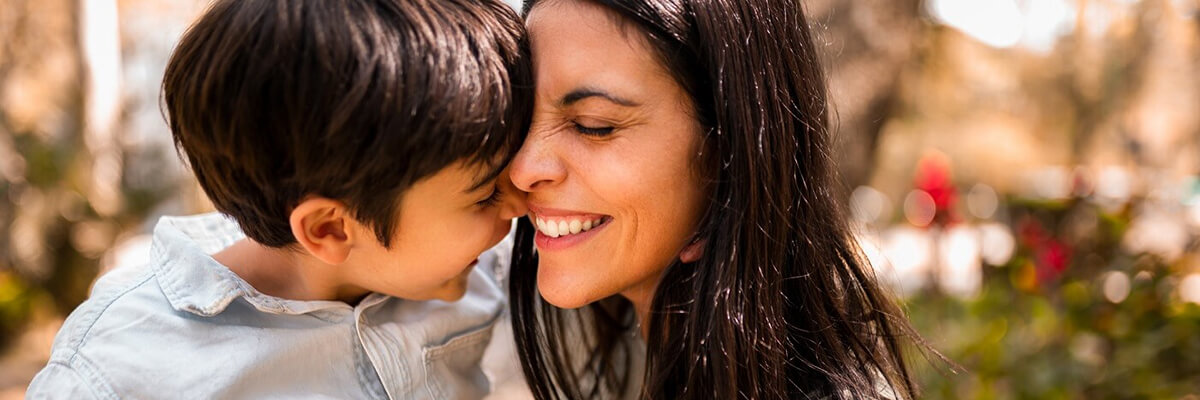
(692, 252)
(323, 227)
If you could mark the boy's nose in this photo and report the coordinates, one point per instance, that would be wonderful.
(536, 166)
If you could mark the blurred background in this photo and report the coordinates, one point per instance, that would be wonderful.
(1023, 174)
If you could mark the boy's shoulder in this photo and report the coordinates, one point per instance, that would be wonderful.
(129, 342)
(180, 325)
(130, 297)
(70, 369)
(176, 325)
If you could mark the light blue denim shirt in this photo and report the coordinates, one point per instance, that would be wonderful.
(186, 326)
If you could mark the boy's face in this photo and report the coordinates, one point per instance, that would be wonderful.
(443, 228)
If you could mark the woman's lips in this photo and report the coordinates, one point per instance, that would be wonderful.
(565, 226)
(559, 229)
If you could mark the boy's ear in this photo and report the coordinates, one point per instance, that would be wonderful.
(323, 227)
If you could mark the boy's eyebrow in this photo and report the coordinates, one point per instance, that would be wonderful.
(585, 92)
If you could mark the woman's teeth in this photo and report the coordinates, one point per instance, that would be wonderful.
(556, 228)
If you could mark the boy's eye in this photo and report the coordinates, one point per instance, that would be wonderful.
(492, 199)
(592, 131)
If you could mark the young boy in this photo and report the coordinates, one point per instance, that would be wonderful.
(355, 149)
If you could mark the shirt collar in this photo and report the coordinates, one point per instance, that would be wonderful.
(196, 283)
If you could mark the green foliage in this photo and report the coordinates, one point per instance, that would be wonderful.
(1062, 337)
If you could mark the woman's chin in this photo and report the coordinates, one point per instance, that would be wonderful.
(561, 293)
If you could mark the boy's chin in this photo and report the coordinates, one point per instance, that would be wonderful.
(455, 289)
(452, 294)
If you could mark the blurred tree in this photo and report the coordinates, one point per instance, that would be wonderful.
(64, 197)
(1118, 87)
(865, 45)
(41, 160)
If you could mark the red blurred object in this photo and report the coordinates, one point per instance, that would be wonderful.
(1053, 258)
(1030, 232)
(934, 176)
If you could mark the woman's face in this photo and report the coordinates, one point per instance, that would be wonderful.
(610, 160)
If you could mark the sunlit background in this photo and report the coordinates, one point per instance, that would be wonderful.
(1023, 174)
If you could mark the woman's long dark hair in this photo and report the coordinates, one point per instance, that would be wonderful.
(781, 305)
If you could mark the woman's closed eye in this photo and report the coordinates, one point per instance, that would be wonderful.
(592, 130)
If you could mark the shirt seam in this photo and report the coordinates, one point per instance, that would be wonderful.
(83, 379)
(100, 386)
(83, 337)
(362, 362)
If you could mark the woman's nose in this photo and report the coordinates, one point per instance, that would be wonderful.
(536, 166)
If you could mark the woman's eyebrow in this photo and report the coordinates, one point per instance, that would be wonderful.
(582, 93)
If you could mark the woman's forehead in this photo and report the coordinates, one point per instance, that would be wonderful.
(578, 45)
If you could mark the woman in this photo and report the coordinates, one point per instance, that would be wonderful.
(680, 185)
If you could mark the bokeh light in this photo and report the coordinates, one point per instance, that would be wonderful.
(1116, 286)
(919, 208)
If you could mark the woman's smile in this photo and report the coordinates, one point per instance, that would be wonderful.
(561, 229)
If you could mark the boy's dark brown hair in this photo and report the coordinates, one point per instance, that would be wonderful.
(355, 100)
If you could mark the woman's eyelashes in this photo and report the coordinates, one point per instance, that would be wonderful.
(592, 130)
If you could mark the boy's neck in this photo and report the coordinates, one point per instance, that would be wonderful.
(287, 274)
